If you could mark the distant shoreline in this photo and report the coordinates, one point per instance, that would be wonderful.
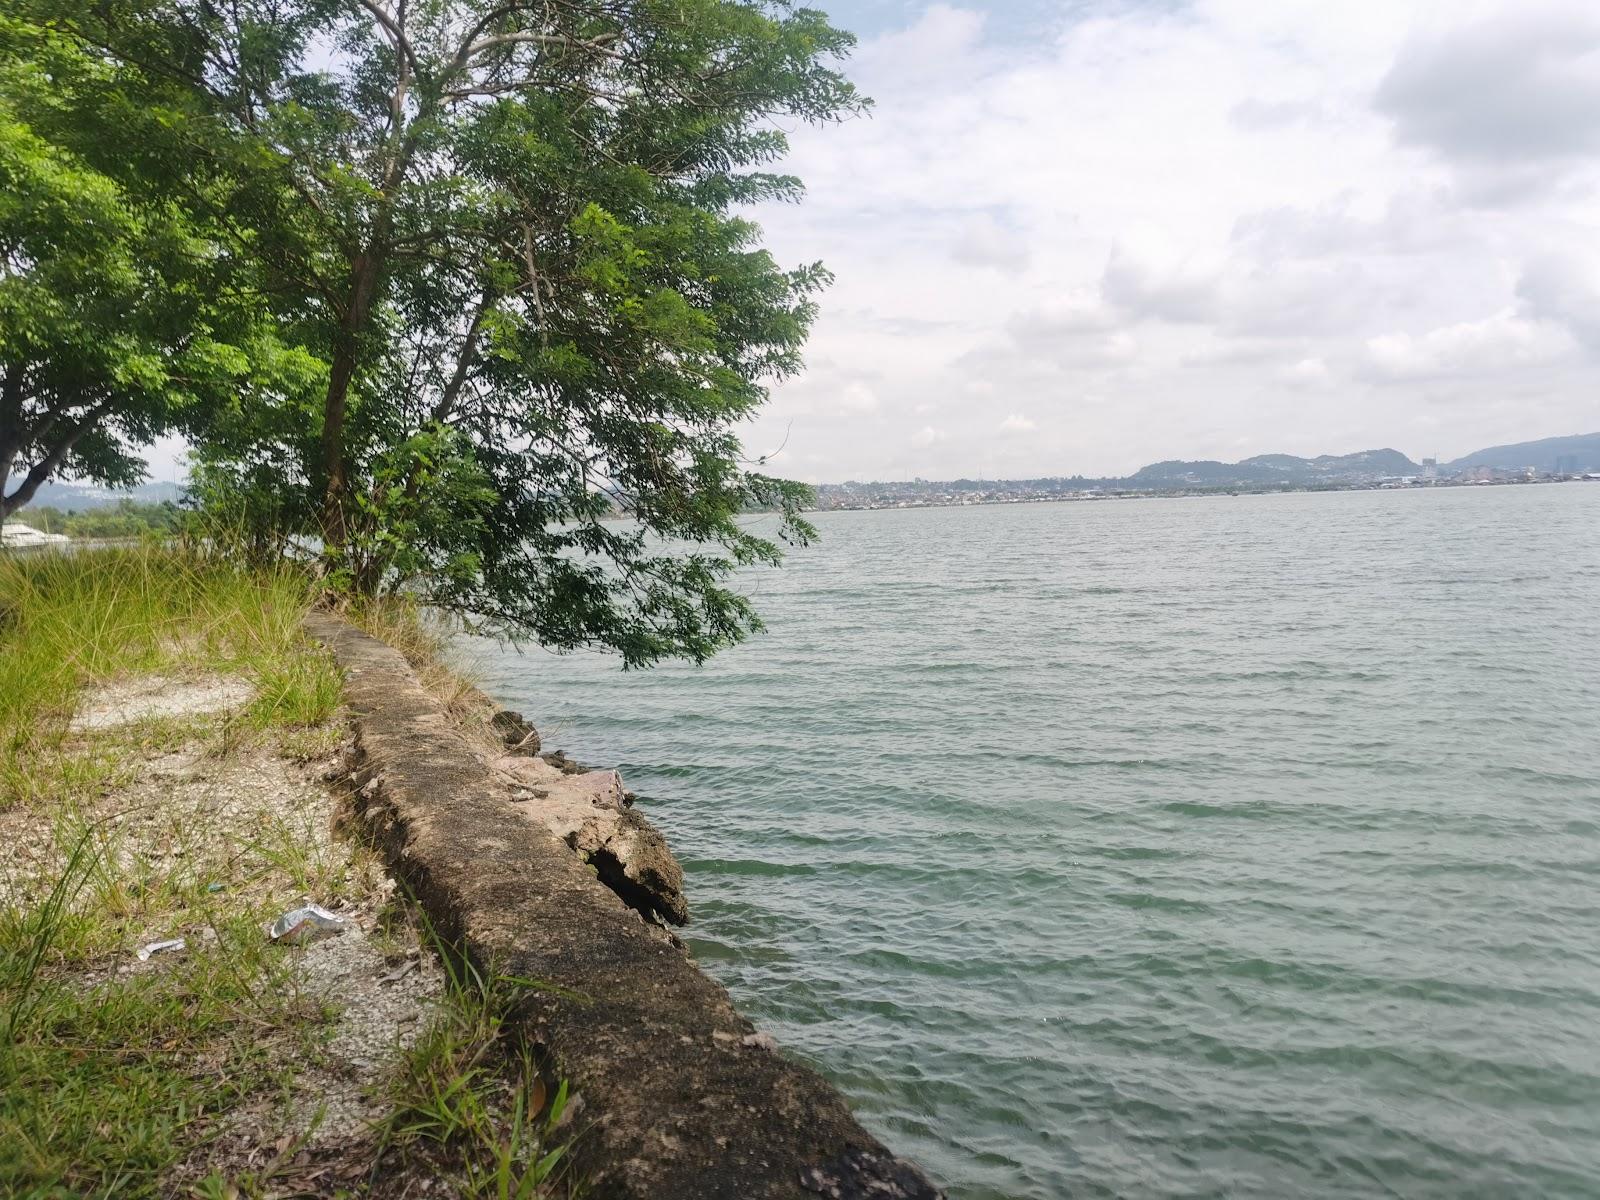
(977, 499)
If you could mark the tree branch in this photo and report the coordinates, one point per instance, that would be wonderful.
(402, 44)
(464, 361)
(47, 466)
(598, 42)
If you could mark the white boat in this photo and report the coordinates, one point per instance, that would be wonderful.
(14, 535)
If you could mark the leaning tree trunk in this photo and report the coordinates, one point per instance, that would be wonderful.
(48, 465)
(342, 369)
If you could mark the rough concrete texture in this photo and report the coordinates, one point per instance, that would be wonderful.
(678, 1097)
(590, 812)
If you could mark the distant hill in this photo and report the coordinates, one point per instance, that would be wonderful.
(1564, 455)
(1365, 466)
(76, 497)
(1181, 472)
(1384, 462)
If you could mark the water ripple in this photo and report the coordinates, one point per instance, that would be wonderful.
(1237, 848)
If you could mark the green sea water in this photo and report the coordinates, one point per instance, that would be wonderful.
(1238, 847)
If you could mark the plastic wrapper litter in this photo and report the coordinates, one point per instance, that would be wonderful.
(306, 924)
(173, 946)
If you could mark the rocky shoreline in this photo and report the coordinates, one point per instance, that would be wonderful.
(531, 864)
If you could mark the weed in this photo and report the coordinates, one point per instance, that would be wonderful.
(110, 1070)
(116, 1076)
(84, 618)
(102, 1085)
(469, 1099)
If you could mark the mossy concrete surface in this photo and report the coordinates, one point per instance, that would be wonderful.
(677, 1097)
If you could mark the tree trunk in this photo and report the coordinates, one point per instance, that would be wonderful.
(342, 369)
(46, 467)
(10, 423)
(365, 270)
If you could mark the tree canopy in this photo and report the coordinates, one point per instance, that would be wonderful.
(512, 232)
(115, 319)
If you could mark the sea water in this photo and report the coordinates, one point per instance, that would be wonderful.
(1236, 846)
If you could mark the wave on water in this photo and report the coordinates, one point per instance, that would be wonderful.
(1160, 849)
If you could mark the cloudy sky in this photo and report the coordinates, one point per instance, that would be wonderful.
(1076, 236)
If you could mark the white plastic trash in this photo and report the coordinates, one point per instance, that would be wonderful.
(174, 945)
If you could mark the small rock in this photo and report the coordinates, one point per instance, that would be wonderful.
(518, 735)
(759, 1041)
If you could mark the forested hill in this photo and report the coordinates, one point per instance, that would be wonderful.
(1557, 455)
(1278, 468)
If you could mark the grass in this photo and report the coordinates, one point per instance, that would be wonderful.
(72, 620)
(111, 1072)
(117, 1077)
(103, 1087)
(469, 1102)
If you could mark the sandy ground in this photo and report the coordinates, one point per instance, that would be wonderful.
(147, 697)
(244, 826)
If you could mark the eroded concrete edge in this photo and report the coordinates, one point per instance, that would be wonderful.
(678, 1097)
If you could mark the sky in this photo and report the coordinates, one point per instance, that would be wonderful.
(1078, 236)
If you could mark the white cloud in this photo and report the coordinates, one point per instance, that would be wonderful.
(1498, 343)
(858, 397)
(1564, 287)
(1506, 83)
(984, 242)
(1160, 285)
(1017, 423)
(1067, 316)
(1170, 233)
(1257, 114)
(1307, 373)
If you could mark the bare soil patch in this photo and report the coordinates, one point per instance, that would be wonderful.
(152, 697)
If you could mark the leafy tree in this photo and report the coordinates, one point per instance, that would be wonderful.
(512, 230)
(127, 518)
(115, 325)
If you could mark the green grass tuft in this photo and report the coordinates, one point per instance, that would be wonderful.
(469, 1101)
(101, 1084)
(80, 619)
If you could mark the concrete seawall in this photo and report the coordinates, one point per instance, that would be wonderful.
(679, 1098)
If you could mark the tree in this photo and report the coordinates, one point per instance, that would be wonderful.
(115, 323)
(511, 229)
